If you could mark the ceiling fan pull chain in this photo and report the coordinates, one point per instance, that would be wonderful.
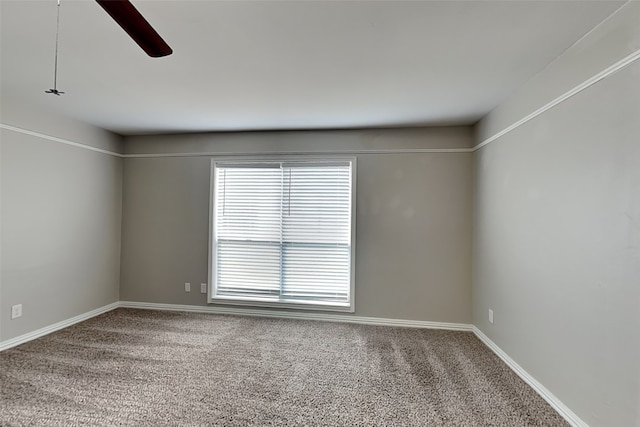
(55, 90)
(55, 66)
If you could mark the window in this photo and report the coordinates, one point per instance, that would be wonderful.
(282, 233)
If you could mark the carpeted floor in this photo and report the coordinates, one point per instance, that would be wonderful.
(151, 368)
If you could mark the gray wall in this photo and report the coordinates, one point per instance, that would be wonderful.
(413, 248)
(557, 234)
(60, 220)
(611, 41)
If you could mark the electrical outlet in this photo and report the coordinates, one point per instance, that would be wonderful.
(16, 311)
(187, 287)
(491, 316)
(203, 288)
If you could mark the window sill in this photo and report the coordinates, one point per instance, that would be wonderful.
(270, 303)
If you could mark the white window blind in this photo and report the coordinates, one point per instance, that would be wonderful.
(282, 232)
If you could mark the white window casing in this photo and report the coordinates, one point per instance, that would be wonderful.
(282, 233)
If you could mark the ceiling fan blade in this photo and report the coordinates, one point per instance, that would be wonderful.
(128, 17)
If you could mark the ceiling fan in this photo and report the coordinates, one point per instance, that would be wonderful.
(132, 21)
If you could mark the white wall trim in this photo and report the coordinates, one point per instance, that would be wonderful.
(551, 399)
(577, 89)
(4, 345)
(301, 153)
(59, 140)
(235, 154)
(281, 314)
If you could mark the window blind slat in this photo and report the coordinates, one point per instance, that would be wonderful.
(283, 231)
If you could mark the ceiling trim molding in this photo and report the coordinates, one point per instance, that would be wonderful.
(59, 140)
(235, 154)
(627, 60)
(299, 153)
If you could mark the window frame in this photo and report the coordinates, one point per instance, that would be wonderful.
(212, 298)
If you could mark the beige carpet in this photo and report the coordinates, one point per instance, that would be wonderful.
(151, 368)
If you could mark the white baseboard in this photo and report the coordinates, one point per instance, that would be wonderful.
(551, 399)
(4, 345)
(327, 317)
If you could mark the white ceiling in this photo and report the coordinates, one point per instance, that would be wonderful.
(240, 65)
